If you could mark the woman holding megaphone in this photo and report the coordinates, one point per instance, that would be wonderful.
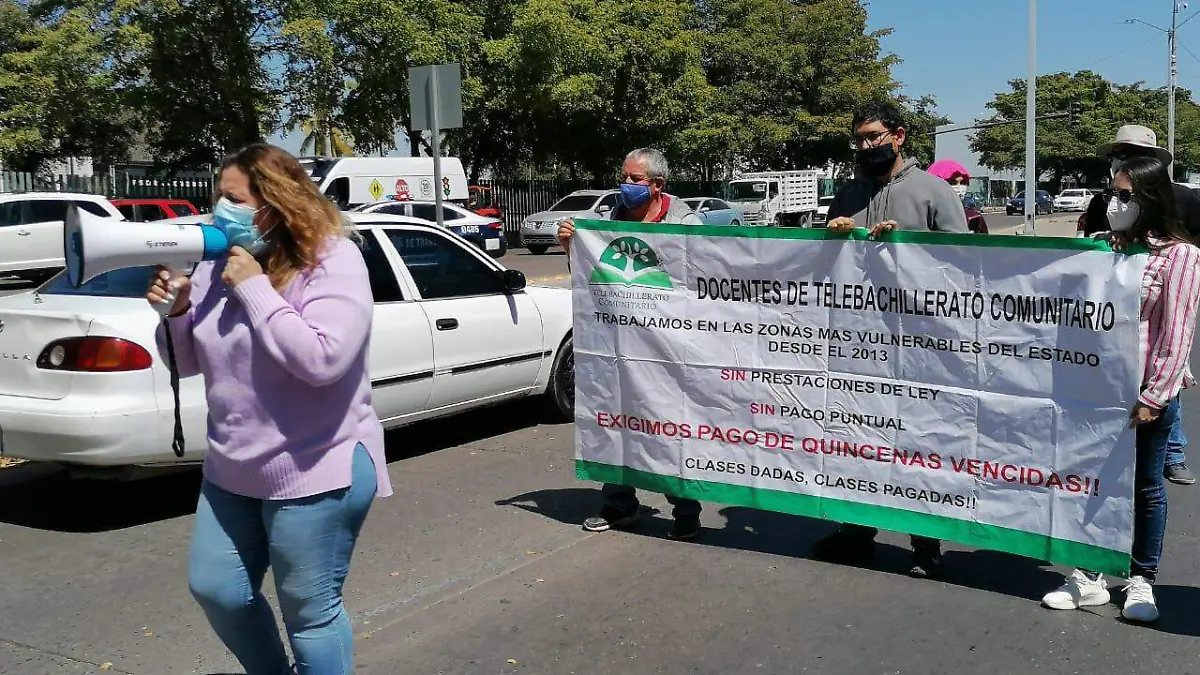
(279, 328)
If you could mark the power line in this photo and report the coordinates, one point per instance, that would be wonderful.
(1120, 53)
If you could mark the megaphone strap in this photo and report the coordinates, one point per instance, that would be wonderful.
(177, 442)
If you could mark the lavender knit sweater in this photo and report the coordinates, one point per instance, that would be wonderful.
(285, 374)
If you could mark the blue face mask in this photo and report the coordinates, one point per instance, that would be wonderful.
(237, 221)
(634, 195)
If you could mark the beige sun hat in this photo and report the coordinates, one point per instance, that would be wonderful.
(1137, 135)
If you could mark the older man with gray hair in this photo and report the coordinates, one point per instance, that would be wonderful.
(643, 200)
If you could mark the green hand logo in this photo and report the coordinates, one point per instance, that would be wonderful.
(629, 261)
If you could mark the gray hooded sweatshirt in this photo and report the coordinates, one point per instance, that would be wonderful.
(916, 200)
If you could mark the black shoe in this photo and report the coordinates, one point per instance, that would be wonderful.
(927, 561)
(610, 519)
(845, 547)
(685, 528)
(1180, 474)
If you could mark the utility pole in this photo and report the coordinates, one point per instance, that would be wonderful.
(1173, 69)
(1031, 127)
(1172, 40)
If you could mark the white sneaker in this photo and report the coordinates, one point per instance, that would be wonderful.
(1139, 601)
(1078, 591)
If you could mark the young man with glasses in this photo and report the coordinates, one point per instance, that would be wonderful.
(1133, 140)
(889, 192)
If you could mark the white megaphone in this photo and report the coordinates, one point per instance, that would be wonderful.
(93, 245)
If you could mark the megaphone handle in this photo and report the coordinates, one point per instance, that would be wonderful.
(164, 308)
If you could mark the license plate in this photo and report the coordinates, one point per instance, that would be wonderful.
(470, 229)
(491, 244)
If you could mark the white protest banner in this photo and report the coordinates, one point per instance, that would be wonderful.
(965, 387)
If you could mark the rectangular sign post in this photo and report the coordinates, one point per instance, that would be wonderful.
(971, 388)
(435, 103)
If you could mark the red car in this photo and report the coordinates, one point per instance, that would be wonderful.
(975, 220)
(145, 210)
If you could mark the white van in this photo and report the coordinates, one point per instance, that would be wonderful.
(353, 181)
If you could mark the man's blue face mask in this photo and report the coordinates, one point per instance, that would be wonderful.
(237, 221)
(634, 195)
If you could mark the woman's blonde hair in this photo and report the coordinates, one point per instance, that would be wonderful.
(298, 219)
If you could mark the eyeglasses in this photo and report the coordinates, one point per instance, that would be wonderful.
(1123, 196)
(870, 140)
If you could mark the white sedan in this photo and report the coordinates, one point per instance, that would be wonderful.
(1072, 200)
(486, 233)
(82, 384)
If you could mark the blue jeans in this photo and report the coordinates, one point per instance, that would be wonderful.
(1177, 442)
(1150, 493)
(308, 543)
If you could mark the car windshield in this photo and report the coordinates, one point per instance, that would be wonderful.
(1073, 193)
(130, 282)
(825, 201)
(574, 203)
(748, 191)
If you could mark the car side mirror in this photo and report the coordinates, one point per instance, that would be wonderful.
(513, 281)
(603, 208)
(704, 209)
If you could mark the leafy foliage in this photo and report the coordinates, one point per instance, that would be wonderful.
(1069, 149)
(567, 86)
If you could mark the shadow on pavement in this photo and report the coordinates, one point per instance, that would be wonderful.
(1177, 609)
(570, 506)
(792, 536)
(58, 503)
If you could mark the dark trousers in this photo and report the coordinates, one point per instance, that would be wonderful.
(623, 499)
(1150, 493)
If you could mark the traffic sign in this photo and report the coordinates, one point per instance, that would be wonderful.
(376, 189)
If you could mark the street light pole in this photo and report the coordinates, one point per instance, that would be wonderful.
(1031, 127)
(1173, 70)
(1173, 40)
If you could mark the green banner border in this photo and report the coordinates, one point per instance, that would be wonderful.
(993, 537)
(861, 234)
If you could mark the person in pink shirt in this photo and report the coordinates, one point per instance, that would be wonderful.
(1141, 210)
(280, 330)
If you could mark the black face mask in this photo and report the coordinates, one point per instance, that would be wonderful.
(876, 161)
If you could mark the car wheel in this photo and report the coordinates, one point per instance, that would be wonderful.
(538, 250)
(560, 391)
(734, 223)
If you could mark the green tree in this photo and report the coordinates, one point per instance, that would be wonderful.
(1068, 149)
(788, 77)
(60, 85)
(203, 86)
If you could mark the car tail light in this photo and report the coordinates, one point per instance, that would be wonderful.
(94, 355)
(495, 225)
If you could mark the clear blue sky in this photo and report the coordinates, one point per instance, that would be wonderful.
(963, 52)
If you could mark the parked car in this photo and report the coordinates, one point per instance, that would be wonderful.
(540, 231)
(485, 232)
(713, 211)
(822, 216)
(82, 383)
(31, 230)
(1043, 204)
(1075, 199)
(145, 210)
(483, 201)
(973, 208)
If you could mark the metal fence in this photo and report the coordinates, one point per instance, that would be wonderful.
(119, 186)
